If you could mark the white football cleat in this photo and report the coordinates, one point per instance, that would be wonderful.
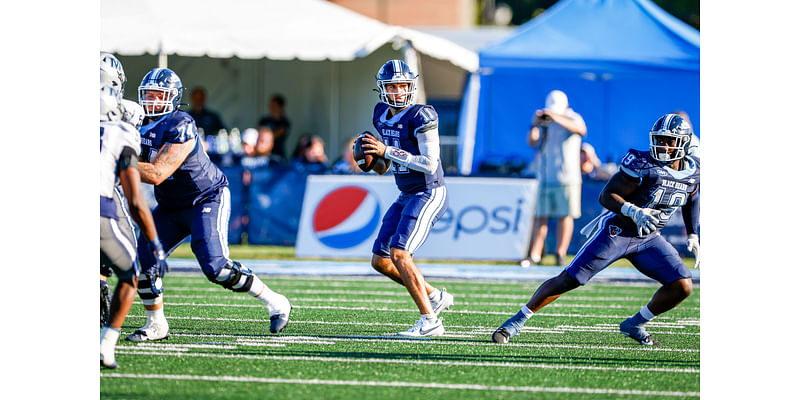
(279, 314)
(444, 302)
(424, 328)
(154, 330)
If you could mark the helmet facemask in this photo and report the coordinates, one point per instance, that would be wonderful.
(161, 102)
(666, 146)
(390, 98)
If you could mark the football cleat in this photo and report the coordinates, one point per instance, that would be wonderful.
(444, 302)
(110, 365)
(637, 333)
(423, 329)
(150, 332)
(279, 316)
(509, 329)
(105, 303)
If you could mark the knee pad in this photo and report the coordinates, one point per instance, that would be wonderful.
(235, 276)
(150, 289)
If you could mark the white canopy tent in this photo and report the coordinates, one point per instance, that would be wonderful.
(320, 56)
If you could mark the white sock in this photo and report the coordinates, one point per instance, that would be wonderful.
(646, 313)
(261, 291)
(156, 315)
(428, 317)
(435, 294)
(526, 311)
(108, 341)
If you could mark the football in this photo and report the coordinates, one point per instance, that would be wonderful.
(364, 161)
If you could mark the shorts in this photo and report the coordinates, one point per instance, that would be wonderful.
(409, 220)
(556, 201)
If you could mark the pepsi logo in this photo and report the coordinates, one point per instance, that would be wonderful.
(346, 217)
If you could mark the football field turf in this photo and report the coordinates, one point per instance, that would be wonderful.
(341, 343)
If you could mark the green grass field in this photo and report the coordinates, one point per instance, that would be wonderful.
(340, 343)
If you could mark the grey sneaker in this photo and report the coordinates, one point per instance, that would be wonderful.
(150, 332)
(637, 333)
(509, 329)
(444, 302)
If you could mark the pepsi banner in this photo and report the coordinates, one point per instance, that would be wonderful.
(487, 218)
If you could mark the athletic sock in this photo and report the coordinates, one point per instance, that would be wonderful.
(156, 315)
(261, 291)
(642, 317)
(435, 294)
(524, 313)
(108, 341)
(428, 317)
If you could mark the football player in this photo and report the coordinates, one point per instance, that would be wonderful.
(193, 199)
(112, 74)
(640, 199)
(408, 136)
(119, 151)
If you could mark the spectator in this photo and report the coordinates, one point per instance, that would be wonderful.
(694, 143)
(309, 155)
(591, 167)
(556, 132)
(205, 119)
(258, 145)
(346, 163)
(277, 120)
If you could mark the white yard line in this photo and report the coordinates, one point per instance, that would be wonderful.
(138, 351)
(373, 309)
(425, 385)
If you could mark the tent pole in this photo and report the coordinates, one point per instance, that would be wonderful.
(412, 59)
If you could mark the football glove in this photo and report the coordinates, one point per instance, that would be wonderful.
(694, 247)
(161, 257)
(644, 218)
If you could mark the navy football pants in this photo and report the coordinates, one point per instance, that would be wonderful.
(207, 223)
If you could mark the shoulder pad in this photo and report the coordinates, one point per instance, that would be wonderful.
(181, 128)
(636, 160)
(425, 118)
(379, 109)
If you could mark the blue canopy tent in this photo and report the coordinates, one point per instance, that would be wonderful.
(623, 63)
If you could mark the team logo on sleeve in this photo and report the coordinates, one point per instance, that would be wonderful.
(346, 217)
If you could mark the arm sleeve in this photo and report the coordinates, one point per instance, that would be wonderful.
(428, 159)
(128, 159)
(691, 213)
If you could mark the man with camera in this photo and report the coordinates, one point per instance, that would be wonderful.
(556, 133)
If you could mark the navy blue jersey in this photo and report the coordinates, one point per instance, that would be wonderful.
(197, 178)
(400, 131)
(659, 187)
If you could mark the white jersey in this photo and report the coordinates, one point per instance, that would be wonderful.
(114, 137)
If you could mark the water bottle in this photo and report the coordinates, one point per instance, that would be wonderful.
(222, 142)
(236, 141)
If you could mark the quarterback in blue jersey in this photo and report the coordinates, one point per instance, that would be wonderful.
(640, 199)
(409, 138)
(193, 199)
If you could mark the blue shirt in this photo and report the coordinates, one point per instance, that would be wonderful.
(197, 178)
(400, 131)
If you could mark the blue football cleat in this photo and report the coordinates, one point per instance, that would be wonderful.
(509, 329)
(637, 333)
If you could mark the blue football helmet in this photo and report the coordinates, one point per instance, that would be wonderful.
(160, 92)
(669, 138)
(111, 72)
(396, 71)
(110, 104)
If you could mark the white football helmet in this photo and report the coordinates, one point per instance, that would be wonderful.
(110, 104)
(111, 72)
(132, 113)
